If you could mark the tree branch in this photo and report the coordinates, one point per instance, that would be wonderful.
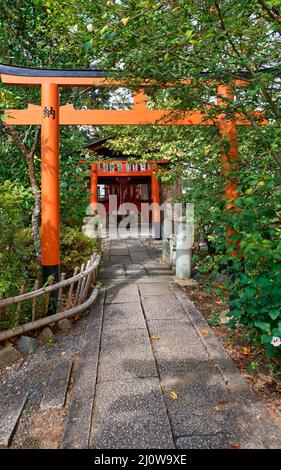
(269, 11)
(29, 158)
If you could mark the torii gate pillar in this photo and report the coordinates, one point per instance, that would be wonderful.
(94, 186)
(50, 181)
(229, 157)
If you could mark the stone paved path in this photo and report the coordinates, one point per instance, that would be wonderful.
(148, 377)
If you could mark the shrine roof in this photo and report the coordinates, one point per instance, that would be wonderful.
(42, 72)
(99, 142)
(7, 69)
(98, 145)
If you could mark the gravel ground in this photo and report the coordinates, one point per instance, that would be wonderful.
(32, 374)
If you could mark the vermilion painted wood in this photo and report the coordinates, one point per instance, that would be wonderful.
(94, 185)
(124, 173)
(229, 158)
(123, 162)
(50, 176)
(71, 116)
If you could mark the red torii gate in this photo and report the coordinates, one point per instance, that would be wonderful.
(50, 115)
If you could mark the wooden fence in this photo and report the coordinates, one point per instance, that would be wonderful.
(72, 297)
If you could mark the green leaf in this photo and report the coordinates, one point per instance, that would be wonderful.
(189, 33)
(276, 332)
(110, 35)
(87, 46)
(274, 314)
(104, 29)
(264, 326)
(166, 57)
(249, 292)
(266, 338)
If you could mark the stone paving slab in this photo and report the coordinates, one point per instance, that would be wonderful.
(135, 271)
(119, 259)
(122, 292)
(77, 431)
(162, 307)
(10, 412)
(250, 424)
(140, 257)
(216, 351)
(123, 316)
(79, 415)
(194, 410)
(119, 251)
(125, 354)
(118, 243)
(153, 252)
(139, 278)
(157, 269)
(185, 368)
(112, 271)
(153, 279)
(155, 263)
(177, 337)
(180, 353)
(130, 414)
(55, 392)
(155, 288)
(137, 249)
(175, 286)
(218, 441)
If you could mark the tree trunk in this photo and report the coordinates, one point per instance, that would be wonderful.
(35, 224)
(36, 213)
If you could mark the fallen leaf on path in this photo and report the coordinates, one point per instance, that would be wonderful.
(155, 337)
(204, 332)
(246, 351)
(235, 445)
(219, 405)
(174, 395)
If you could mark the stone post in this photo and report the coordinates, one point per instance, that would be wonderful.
(183, 251)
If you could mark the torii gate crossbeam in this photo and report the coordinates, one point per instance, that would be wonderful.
(50, 115)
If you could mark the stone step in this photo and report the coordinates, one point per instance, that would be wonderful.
(10, 413)
(55, 392)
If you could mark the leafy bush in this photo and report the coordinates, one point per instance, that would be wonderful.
(254, 281)
(256, 287)
(76, 248)
(16, 244)
(17, 253)
(17, 258)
